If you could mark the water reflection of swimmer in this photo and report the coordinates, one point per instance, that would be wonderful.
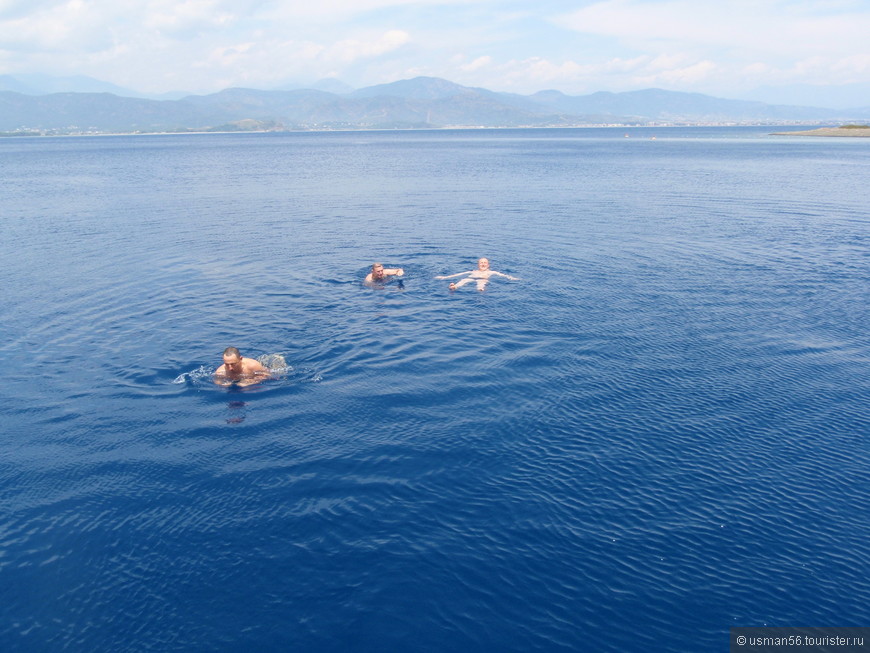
(236, 412)
(379, 273)
(481, 275)
(239, 370)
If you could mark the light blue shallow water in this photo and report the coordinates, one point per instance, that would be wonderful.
(660, 432)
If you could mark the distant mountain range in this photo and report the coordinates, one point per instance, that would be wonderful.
(844, 96)
(413, 103)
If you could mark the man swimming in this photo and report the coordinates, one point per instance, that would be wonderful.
(239, 370)
(379, 273)
(481, 275)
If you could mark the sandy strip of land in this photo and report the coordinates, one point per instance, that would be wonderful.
(831, 131)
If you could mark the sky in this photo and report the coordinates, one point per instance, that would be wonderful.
(724, 48)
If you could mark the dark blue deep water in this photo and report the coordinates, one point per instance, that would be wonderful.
(659, 433)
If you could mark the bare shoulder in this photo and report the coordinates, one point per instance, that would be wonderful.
(254, 365)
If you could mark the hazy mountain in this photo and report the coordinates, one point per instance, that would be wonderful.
(419, 102)
(844, 96)
(419, 88)
(89, 112)
(12, 83)
(38, 84)
(240, 103)
(329, 84)
(656, 104)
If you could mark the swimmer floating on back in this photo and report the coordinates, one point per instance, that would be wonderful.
(379, 273)
(239, 370)
(481, 275)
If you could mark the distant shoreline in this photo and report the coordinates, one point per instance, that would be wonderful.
(853, 131)
(313, 130)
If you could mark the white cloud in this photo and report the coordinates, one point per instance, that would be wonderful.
(773, 27)
(71, 26)
(267, 63)
(226, 57)
(680, 76)
(343, 10)
(822, 71)
(477, 64)
(201, 45)
(172, 16)
(11, 9)
(536, 73)
(351, 50)
(856, 67)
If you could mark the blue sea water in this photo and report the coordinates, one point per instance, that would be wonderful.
(658, 433)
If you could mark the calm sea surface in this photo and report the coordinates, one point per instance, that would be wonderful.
(658, 433)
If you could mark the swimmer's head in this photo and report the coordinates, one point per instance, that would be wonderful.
(378, 271)
(483, 264)
(232, 360)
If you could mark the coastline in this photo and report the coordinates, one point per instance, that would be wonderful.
(857, 131)
(373, 128)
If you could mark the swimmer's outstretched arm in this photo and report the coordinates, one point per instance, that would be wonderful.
(388, 272)
(506, 276)
(450, 276)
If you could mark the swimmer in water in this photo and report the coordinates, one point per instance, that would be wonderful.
(239, 370)
(379, 273)
(481, 275)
